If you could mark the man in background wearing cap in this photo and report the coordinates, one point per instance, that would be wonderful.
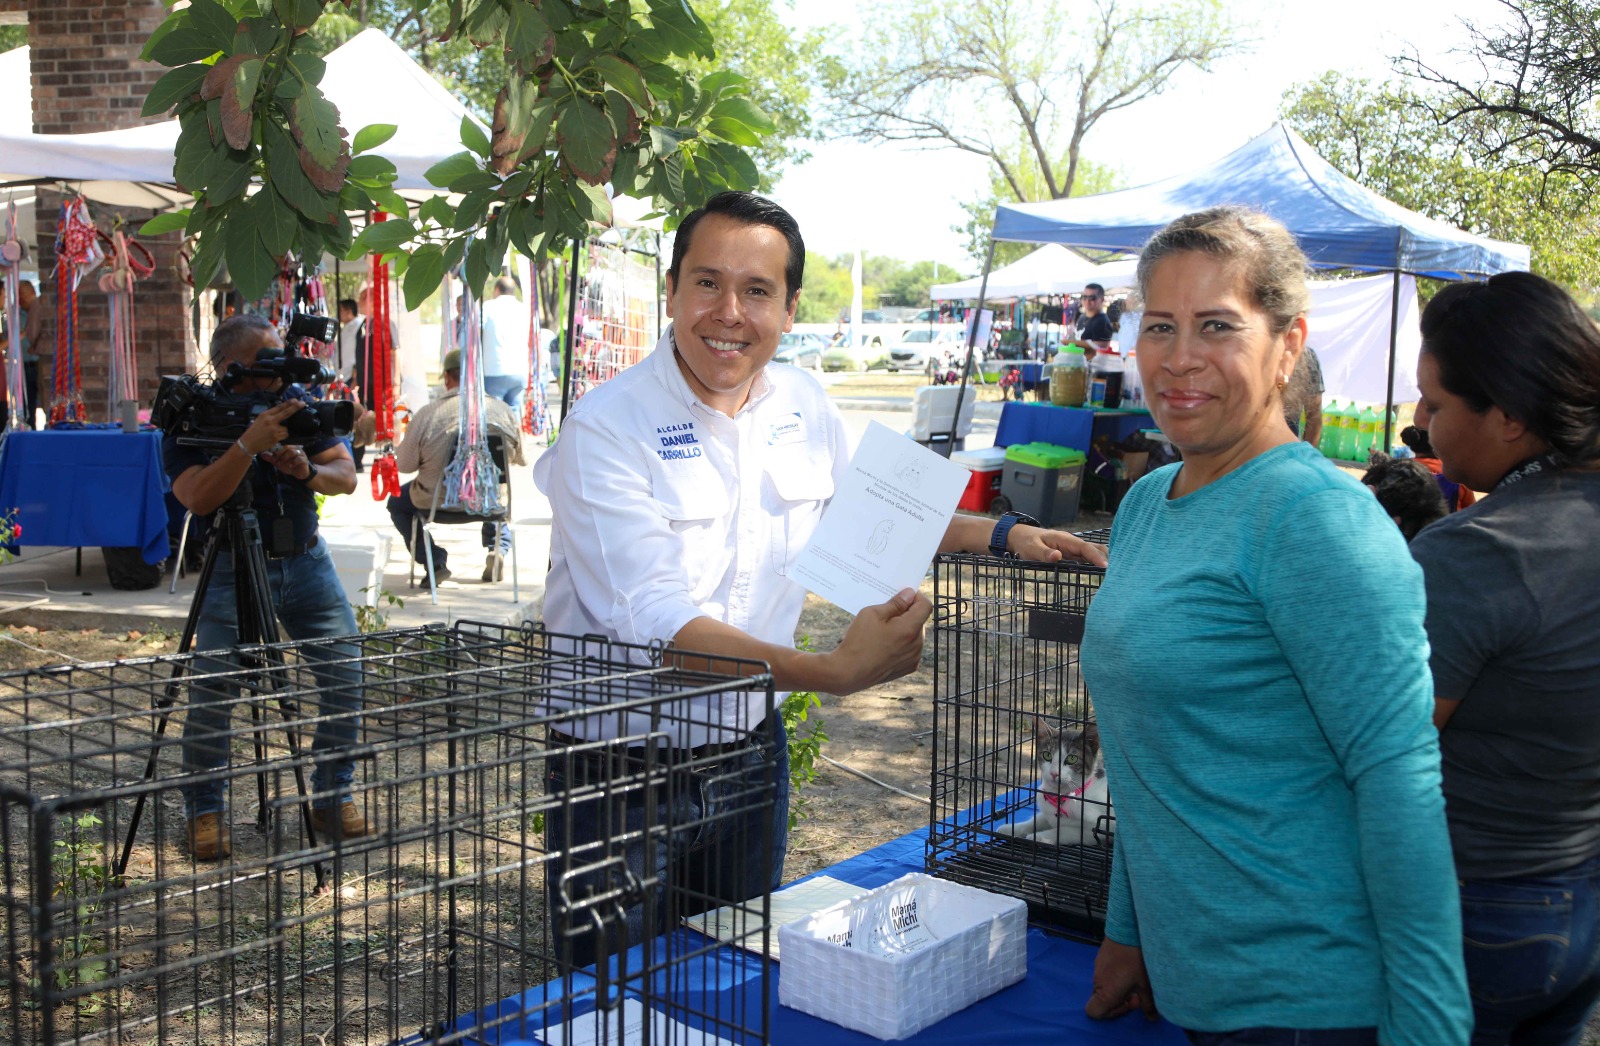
(428, 446)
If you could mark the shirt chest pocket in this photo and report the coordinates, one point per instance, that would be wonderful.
(798, 487)
(693, 499)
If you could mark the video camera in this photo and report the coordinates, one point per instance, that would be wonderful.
(213, 414)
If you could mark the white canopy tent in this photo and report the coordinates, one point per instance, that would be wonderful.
(1052, 269)
(1349, 328)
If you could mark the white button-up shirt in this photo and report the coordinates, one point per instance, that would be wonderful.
(666, 510)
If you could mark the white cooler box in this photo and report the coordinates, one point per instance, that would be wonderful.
(359, 555)
(904, 956)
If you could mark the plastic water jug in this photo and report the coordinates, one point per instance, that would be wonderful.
(1368, 433)
(1349, 421)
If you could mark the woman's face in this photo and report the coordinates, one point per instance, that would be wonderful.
(1472, 448)
(1210, 361)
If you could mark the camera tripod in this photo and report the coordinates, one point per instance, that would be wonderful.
(236, 530)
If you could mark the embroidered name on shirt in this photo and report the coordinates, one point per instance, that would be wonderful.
(788, 428)
(677, 441)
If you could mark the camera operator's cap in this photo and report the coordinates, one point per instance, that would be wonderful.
(452, 361)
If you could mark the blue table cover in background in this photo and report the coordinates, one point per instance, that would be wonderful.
(1045, 1006)
(99, 488)
(1065, 426)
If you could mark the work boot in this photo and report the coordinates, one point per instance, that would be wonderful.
(208, 838)
(494, 567)
(351, 824)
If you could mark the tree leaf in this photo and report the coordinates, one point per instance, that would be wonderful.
(259, 35)
(274, 219)
(392, 202)
(214, 22)
(472, 181)
(743, 110)
(181, 46)
(486, 23)
(423, 275)
(544, 117)
(450, 168)
(473, 138)
(591, 202)
(472, 208)
(740, 167)
(680, 29)
(289, 178)
(305, 70)
(587, 140)
(314, 122)
(666, 140)
(436, 209)
(372, 136)
(231, 175)
(173, 22)
(477, 266)
(372, 168)
(174, 87)
(385, 236)
(194, 155)
(169, 222)
(249, 263)
(300, 14)
(730, 130)
(238, 98)
(625, 77)
(207, 257)
(528, 36)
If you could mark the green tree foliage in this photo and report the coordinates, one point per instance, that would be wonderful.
(1091, 178)
(885, 281)
(983, 75)
(13, 37)
(591, 99)
(1535, 101)
(1386, 136)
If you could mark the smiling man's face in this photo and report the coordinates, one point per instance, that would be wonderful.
(728, 309)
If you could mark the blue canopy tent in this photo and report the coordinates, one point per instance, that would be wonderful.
(1340, 224)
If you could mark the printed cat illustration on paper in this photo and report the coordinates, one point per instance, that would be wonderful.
(1072, 790)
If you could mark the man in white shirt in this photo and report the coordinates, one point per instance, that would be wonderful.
(682, 490)
(505, 346)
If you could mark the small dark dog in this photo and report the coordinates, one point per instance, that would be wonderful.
(1407, 491)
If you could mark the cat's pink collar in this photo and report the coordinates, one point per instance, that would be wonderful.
(1060, 801)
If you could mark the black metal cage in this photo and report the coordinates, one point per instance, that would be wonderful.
(431, 926)
(1006, 636)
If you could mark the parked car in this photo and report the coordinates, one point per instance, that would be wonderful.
(924, 348)
(802, 350)
(868, 353)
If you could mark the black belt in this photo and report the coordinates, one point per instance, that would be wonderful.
(289, 554)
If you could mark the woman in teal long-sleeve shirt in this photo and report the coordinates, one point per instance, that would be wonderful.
(1259, 670)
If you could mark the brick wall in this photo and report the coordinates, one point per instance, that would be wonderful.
(87, 76)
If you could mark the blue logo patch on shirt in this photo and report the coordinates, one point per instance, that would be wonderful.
(786, 428)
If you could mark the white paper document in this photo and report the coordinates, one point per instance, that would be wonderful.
(627, 1027)
(735, 925)
(884, 523)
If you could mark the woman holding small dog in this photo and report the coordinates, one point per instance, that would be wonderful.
(1510, 379)
(1282, 869)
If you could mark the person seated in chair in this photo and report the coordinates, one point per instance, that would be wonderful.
(428, 446)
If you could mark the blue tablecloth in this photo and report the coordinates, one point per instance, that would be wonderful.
(1045, 1006)
(87, 488)
(1071, 427)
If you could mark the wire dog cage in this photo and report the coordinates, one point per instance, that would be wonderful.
(430, 927)
(1006, 687)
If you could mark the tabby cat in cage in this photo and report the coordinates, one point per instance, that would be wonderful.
(1072, 791)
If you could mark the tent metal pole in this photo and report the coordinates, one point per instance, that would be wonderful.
(1394, 338)
(972, 338)
(572, 325)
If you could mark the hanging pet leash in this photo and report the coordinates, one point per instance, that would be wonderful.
(12, 253)
(77, 254)
(471, 481)
(380, 374)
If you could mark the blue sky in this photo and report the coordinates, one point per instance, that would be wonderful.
(896, 200)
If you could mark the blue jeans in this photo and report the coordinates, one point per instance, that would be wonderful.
(508, 389)
(721, 846)
(1286, 1037)
(310, 602)
(1533, 956)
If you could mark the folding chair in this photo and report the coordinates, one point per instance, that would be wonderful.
(456, 517)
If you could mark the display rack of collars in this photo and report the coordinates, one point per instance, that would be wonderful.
(127, 262)
(78, 253)
(381, 376)
(13, 252)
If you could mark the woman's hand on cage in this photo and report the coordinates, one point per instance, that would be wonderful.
(1121, 984)
(884, 642)
(1047, 546)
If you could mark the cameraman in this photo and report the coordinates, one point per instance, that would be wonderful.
(306, 594)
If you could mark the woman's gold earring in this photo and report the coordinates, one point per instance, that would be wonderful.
(1283, 383)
